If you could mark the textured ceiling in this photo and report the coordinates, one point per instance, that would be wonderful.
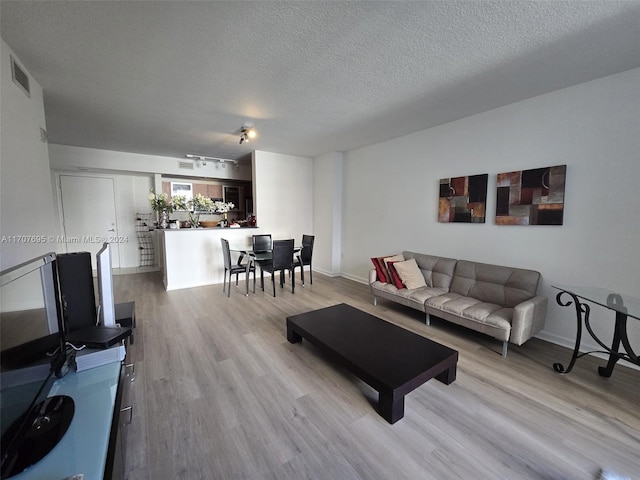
(175, 77)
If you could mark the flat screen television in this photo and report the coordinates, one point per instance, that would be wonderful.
(33, 353)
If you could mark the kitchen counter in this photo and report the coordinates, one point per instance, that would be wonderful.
(192, 257)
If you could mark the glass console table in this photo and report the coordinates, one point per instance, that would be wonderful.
(623, 307)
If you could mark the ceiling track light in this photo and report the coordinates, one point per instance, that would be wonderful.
(218, 161)
(246, 134)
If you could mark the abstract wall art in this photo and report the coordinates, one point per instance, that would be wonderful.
(531, 197)
(463, 199)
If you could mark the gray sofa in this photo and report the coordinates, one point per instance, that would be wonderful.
(499, 301)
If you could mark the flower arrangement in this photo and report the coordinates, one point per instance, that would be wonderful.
(222, 207)
(160, 202)
(194, 206)
(179, 202)
(200, 203)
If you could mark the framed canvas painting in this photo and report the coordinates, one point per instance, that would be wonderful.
(531, 197)
(463, 199)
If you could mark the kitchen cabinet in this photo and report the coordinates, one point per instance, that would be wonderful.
(214, 191)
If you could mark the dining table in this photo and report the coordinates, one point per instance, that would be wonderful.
(263, 255)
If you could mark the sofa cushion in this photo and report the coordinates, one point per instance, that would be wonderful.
(437, 271)
(422, 294)
(440, 300)
(481, 311)
(380, 270)
(458, 303)
(494, 284)
(473, 309)
(395, 278)
(378, 285)
(410, 274)
(502, 318)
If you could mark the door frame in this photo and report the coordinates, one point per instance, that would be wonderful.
(58, 190)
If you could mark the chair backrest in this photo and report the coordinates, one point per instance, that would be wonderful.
(282, 254)
(261, 243)
(307, 249)
(226, 253)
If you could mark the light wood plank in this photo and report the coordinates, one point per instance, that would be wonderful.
(220, 393)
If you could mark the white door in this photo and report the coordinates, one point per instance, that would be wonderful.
(89, 215)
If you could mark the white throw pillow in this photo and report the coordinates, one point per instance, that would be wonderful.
(394, 258)
(410, 274)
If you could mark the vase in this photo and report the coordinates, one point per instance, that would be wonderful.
(194, 219)
(163, 219)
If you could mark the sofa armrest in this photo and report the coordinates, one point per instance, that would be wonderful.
(373, 276)
(528, 319)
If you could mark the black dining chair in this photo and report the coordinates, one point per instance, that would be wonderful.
(236, 269)
(261, 244)
(281, 260)
(305, 256)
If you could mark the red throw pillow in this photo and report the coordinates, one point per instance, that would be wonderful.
(380, 271)
(395, 278)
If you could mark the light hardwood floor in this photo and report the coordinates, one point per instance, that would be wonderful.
(220, 394)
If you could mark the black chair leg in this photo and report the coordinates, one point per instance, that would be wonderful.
(310, 274)
(273, 282)
(302, 273)
(229, 287)
(224, 280)
(293, 280)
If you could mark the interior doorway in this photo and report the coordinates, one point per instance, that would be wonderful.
(88, 215)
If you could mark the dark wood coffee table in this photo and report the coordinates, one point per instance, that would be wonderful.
(394, 361)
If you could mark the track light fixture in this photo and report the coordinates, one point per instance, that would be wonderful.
(218, 161)
(246, 134)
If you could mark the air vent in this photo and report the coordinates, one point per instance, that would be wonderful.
(185, 165)
(20, 77)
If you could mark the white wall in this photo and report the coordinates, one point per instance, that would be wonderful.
(134, 176)
(327, 212)
(64, 157)
(283, 187)
(26, 207)
(391, 193)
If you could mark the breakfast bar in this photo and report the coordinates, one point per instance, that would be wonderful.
(192, 257)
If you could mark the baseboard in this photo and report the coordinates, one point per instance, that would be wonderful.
(132, 270)
(327, 273)
(364, 281)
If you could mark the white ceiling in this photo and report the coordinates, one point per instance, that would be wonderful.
(175, 77)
